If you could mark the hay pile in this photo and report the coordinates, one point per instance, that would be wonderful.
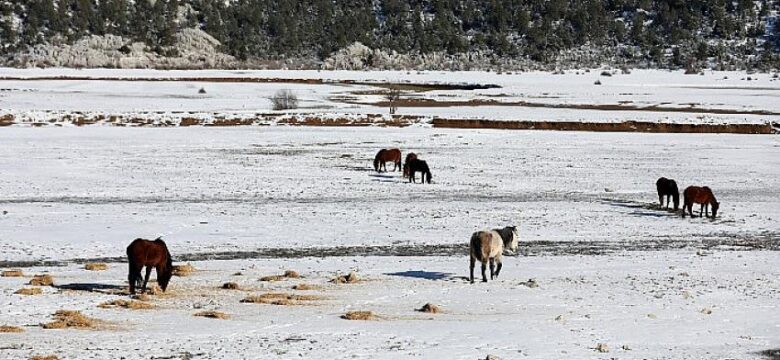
(213, 314)
(95, 266)
(602, 348)
(289, 274)
(64, 319)
(303, 287)
(230, 286)
(12, 273)
(141, 297)
(127, 304)
(29, 291)
(359, 315)
(10, 329)
(44, 357)
(42, 280)
(429, 308)
(280, 299)
(183, 270)
(350, 278)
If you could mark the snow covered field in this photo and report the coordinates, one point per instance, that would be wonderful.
(643, 95)
(664, 287)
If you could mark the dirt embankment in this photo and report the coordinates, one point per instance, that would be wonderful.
(625, 126)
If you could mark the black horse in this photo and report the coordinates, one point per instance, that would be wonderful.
(417, 165)
(668, 188)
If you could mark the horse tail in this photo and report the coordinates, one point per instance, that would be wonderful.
(475, 246)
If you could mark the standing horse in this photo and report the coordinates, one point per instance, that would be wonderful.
(409, 157)
(668, 188)
(386, 155)
(701, 195)
(148, 253)
(488, 246)
(421, 166)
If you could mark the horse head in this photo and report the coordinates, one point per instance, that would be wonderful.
(715, 207)
(511, 244)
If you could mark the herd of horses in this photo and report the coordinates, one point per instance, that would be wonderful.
(667, 188)
(486, 246)
(411, 165)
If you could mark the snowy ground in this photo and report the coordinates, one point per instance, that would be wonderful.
(643, 95)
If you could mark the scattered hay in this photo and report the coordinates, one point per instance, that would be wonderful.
(10, 329)
(44, 357)
(12, 273)
(280, 299)
(127, 304)
(492, 357)
(96, 266)
(42, 280)
(155, 290)
(238, 273)
(350, 278)
(303, 287)
(289, 274)
(531, 283)
(359, 315)
(141, 297)
(602, 348)
(430, 308)
(213, 314)
(64, 319)
(230, 286)
(29, 291)
(706, 311)
(183, 270)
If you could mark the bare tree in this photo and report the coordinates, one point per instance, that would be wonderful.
(284, 100)
(392, 96)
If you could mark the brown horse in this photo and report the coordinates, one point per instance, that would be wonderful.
(148, 253)
(668, 188)
(386, 155)
(700, 195)
(409, 157)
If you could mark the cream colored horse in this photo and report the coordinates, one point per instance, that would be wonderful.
(488, 246)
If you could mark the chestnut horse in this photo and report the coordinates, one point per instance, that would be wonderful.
(386, 155)
(700, 195)
(409, 157)
(668, 188)
(148, 253)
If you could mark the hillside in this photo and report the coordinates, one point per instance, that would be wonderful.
(395, 34)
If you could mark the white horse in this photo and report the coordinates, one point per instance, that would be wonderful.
(488, 246)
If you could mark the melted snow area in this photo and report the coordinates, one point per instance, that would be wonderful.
(602, 273)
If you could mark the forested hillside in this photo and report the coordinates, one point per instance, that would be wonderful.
(663, 33)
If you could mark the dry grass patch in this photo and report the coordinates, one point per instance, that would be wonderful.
(306, 287)
(230, 286)
(10, 329)
(96, 266)
(359, 315)
(42, 280)
(183, 270)
(430, 308)
(141, 297)
(12, 273)
(127, 304)
(280, 299)
(289, 274)
(64, 319)
(45, 357)
(29, 291)
(213, 314)
(350, 278)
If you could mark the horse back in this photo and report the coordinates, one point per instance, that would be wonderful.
(486, 245)
(143, 252)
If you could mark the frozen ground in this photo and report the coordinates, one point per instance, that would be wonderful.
(85, 192)
(666, 288)
(643, 95)
(641, 305)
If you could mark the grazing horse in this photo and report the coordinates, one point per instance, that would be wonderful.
(386, 155)
(148, 253)
(421, 166)
(488, 246)
(668, 188)
(409, 157)
(701, 195)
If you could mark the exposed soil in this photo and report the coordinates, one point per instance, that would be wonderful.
(625, 126)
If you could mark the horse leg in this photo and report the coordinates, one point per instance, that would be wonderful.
(492, 268)
(471, 269)
(146, 279)
(707, 210)
(661, 199)
(498, 266)
(701, 210)
(484, 268)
